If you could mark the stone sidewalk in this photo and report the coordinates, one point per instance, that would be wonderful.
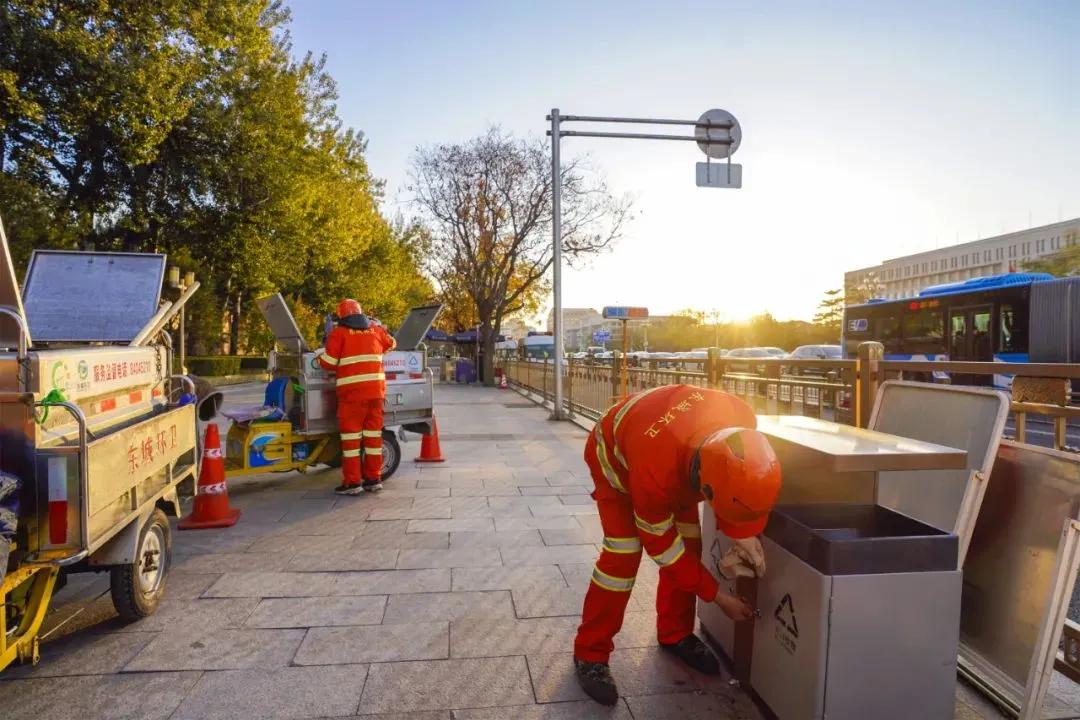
(454, 593)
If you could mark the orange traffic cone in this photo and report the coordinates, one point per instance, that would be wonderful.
(429, 446)
(212, 496)
(502, 381)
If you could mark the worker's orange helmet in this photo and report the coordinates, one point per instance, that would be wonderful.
(348, 307)
(740, 477)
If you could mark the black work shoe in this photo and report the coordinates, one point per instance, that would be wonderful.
(595, 679)
(373, 485)
(695, 653)
(349, 489)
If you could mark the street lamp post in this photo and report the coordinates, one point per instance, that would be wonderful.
(718, 135)
(181, 284)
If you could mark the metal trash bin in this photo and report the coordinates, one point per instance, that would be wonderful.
(860, 615)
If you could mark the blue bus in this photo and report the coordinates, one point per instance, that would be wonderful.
(1018, 317)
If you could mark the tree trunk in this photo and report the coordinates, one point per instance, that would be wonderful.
(234, 325)
(488, 354)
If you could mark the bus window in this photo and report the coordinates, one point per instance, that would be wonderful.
(888, 333)
(1013, 330)
(924, 331)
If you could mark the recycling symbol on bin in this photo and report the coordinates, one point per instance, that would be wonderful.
(785, 615)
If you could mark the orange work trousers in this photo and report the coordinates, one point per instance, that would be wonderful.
(360, 423)
(602, 615)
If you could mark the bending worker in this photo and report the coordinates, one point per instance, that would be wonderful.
(354, 351)
(653, 458)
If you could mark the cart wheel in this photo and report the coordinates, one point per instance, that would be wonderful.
(391, 453)
(137, 588)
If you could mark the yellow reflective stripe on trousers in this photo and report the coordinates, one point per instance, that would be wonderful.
(688, 530)
(366, 377)
(655, 529)
(371, 433)
(610, 582)
(351, 436)
(601, 455)
(618, 419)
(625, 546)
(672, 554)
(373, 451)
(360, 358)
(350, 453)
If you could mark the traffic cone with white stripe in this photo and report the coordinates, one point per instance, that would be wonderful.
(212, 496)
(429, 446)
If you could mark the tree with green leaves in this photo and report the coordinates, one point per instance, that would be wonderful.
(830, 314)
(1063, 263)
(187, 127)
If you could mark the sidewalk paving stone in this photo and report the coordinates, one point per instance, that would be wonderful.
(390, 582)
(83, 654)
(188, 586)
(402, 541)
(549, 555)
(545, 489)
(581, 710)
(344, 559)
(148, 696)
(317, 611)
(555, 522)
(189, 649)
(295, 692)
(453, 558)
(470, 683)
(272, 584)
(452, 525)
(374, 643)
(449, 606)
(231, 562)
(571, 536)
(507, 578)
(693, 706)
(646, 671)
(522, 538)
(209, 612)
(489, 638)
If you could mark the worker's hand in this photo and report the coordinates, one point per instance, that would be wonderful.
(732, 565)
(750, 551)
(734, 607)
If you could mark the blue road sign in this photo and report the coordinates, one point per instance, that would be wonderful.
(601, 336)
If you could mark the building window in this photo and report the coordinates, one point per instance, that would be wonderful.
(924, 268)
(963, 261)
(1012, 251)
(952, 262)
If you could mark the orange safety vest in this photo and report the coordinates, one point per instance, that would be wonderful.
(356, 356)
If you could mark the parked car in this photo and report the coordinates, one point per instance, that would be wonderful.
(814, 352)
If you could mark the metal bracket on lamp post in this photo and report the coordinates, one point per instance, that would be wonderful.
(718, 135)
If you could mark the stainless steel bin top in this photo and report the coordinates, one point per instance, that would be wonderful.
(842, 448)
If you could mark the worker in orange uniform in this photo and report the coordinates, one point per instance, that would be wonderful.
(354, 351)
(653, 458)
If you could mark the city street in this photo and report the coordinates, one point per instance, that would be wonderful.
(453, 593)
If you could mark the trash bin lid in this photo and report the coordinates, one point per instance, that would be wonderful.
(282, 324)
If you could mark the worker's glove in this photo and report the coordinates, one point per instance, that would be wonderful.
(732, 565)
(751, 553)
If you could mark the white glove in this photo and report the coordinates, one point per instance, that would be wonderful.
(732, 565)
(749, 550)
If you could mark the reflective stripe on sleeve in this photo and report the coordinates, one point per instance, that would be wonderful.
(327, 358)
(351, 453)
(624, 546)
(655, 529)
(351, 436)
(618, 419)
(601, 455)
(360, 358)
(688, 530)
(610, 582)
(366, 377)
(371, 433)
(672, 554)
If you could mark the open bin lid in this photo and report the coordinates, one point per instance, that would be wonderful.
(281, 322)
(9, 296)
(77, 296)
(968, 418)
(415, 326)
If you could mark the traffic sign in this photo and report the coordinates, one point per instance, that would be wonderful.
(719, 175)
(601, 336)
(619, 312)
(730, 131)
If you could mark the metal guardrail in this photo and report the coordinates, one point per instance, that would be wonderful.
(840, 390)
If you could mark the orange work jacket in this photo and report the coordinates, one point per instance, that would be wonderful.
(356, 356)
